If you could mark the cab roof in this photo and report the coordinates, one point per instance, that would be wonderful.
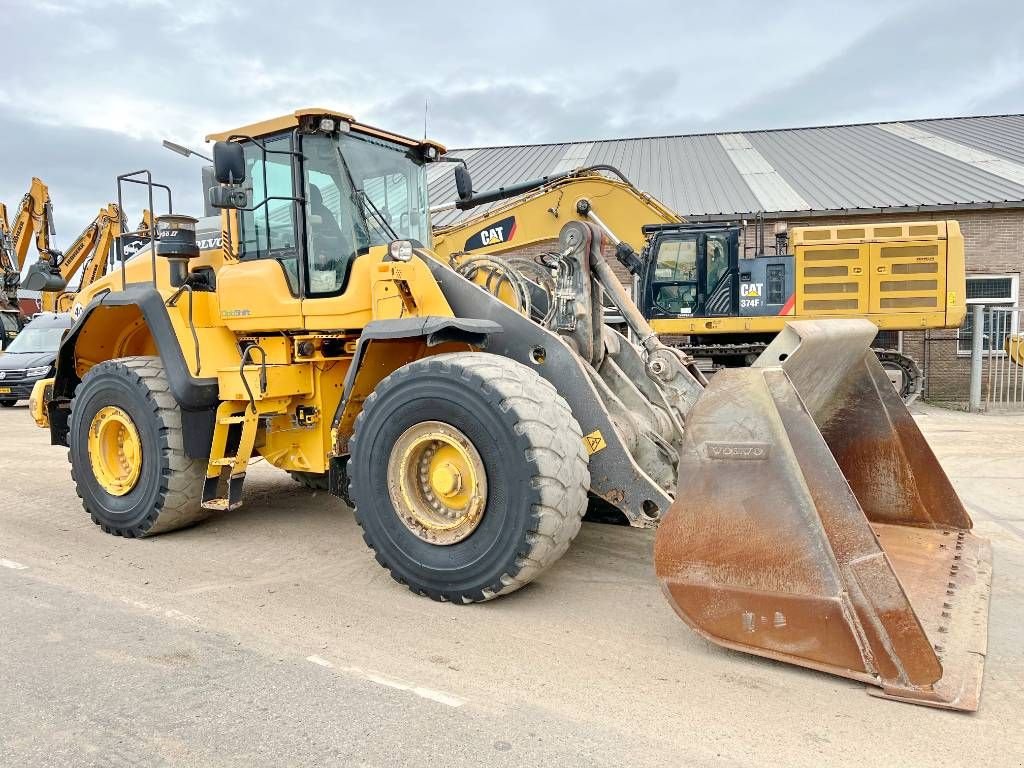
(285, 122)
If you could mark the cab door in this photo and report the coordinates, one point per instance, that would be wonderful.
(262, 290)
(719, 287)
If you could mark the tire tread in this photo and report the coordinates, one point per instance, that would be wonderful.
(553, 446)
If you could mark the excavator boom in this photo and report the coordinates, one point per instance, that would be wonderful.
(619, 209)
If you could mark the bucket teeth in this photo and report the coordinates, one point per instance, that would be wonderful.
(814, 525)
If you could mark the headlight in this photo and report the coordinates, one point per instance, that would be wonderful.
(35, 373)
(400, 250)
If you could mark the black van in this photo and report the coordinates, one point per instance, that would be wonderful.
(30, 356)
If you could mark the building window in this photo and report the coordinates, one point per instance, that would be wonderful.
(990, 290)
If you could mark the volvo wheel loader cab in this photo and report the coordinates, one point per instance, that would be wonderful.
(466, 419)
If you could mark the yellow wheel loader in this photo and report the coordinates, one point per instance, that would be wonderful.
(802, 515)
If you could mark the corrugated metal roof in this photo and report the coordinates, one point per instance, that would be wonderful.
(920, 164)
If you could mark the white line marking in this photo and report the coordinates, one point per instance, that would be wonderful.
(432, 694)
(12, 565)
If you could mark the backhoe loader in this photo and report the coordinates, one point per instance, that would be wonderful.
(690, 281)
(802, 514)
(89, 252)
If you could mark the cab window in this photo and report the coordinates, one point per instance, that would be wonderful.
(335, 226)
(675, 276)
(718, 261)
(268, 231)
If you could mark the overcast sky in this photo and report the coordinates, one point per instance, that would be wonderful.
(90, 87)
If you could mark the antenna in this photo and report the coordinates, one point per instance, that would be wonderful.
(426, 105)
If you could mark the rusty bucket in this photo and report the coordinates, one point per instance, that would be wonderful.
(813, 524)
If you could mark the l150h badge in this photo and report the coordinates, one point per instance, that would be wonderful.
(498, 232)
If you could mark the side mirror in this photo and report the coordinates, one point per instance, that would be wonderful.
(463, 183)
(228, 162)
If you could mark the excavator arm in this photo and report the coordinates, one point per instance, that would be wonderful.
(89, 252)
(34, 217)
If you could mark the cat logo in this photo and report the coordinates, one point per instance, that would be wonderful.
(499, 232)
(751, 290)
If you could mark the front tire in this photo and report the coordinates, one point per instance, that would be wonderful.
(8, 403)
(127, 451)
(521, 457)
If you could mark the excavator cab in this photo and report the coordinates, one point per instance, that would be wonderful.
(690, 270)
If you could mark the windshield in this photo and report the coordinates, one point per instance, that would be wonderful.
(362, 192)
(37, 340)
(675, 276)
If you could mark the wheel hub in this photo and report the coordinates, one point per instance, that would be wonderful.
(437, 482)
(115, 451)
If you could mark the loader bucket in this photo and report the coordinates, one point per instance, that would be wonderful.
(813, 525)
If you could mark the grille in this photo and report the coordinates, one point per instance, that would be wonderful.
(12, 375)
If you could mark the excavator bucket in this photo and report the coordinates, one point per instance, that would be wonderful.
(813, 525)
(41, 277)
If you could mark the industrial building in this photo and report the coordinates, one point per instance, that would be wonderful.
(968, 168)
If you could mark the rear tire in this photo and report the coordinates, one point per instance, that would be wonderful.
(529, 446)
(168, 490)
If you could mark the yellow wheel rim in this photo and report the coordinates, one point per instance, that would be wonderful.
(115, 451)
(437, 482)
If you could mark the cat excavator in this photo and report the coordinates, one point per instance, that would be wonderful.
(692, 285)
(801, 514)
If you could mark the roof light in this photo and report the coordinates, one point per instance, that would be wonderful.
(327, 124)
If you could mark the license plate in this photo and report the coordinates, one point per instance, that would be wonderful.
(5, 390)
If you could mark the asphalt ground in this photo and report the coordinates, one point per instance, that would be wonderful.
(270, 636)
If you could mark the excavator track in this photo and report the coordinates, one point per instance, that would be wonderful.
(910, 384)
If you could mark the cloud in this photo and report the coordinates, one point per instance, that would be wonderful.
(938, 59)
(127, 73)
(80, 165)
